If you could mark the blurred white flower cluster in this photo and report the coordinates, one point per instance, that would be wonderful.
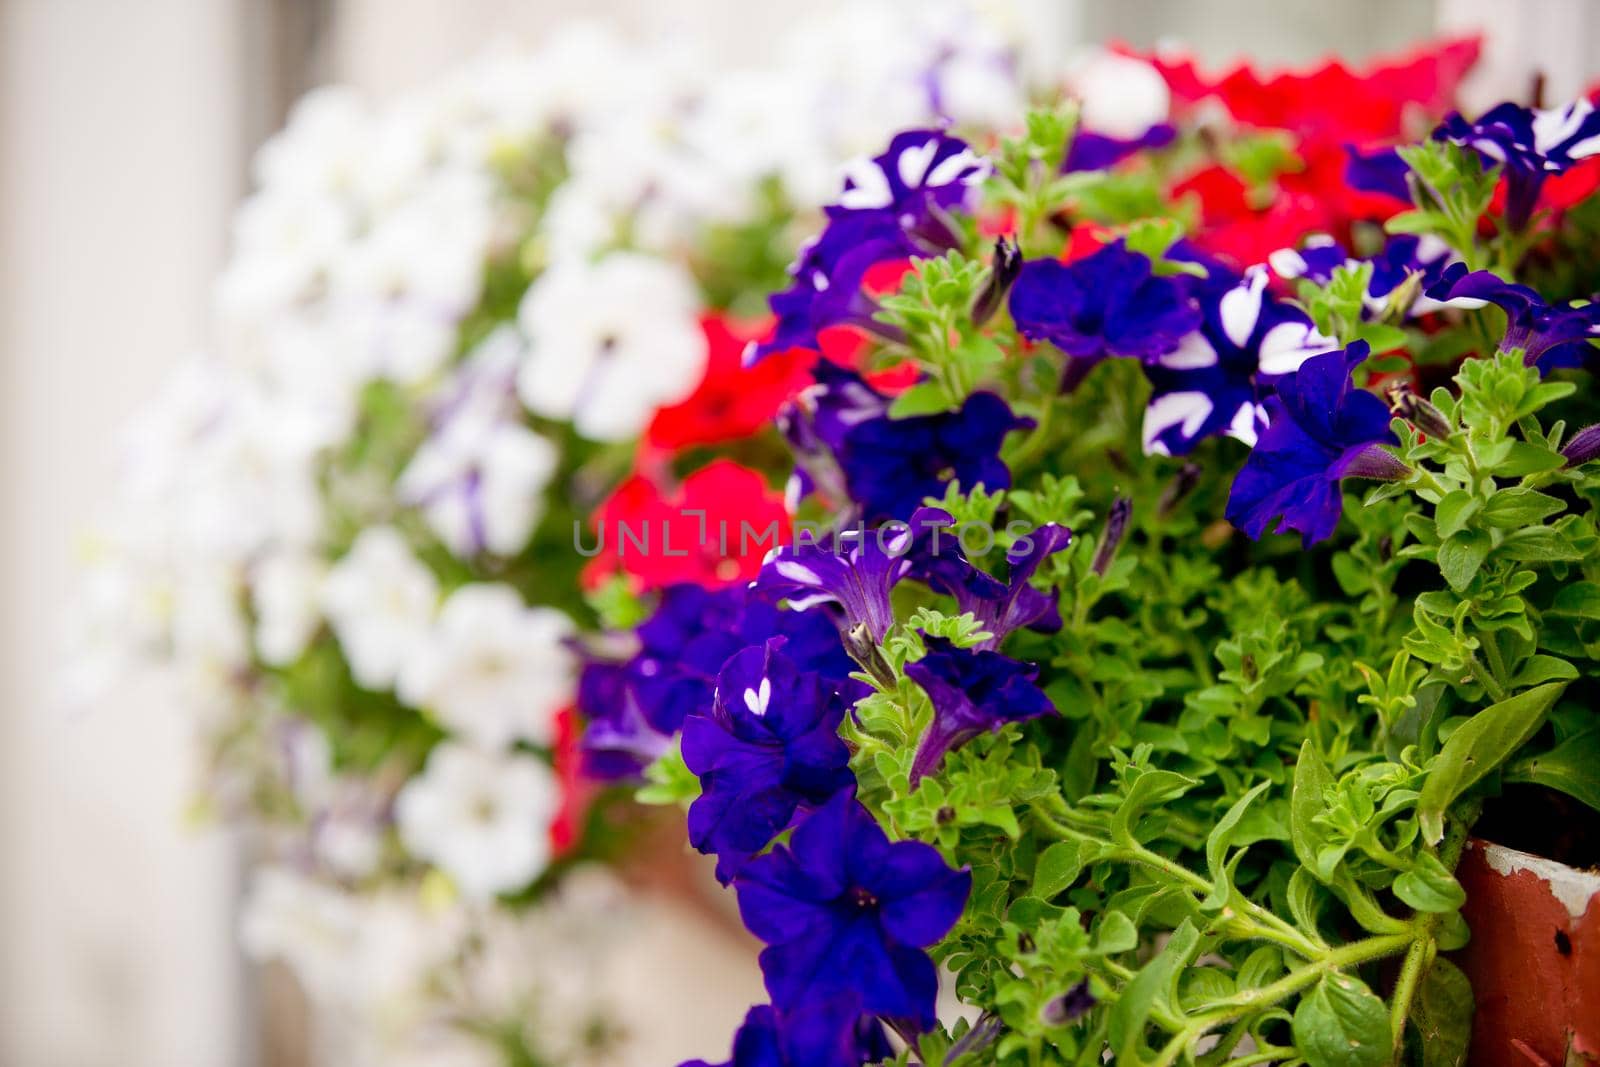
(437, 313)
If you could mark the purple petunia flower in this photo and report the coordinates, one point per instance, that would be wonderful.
(972, 690)
(1403, 255)
(1550, 336)
(855, 569)
(1108, 304)
(893, 206)
(1378, 171)
(1319, 429)
(769, 745)
(1097, 151)
(1531, 143)
(1211, 383)
(891, 465)
(635, 705)
(845, 911)
(832, 1033)
(1001, 608)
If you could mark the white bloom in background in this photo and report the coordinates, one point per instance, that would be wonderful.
(481, 484)
(380, 600)
(321, 150)
(610, 342)
(482, 818)
(480, 477)
(1119, 96)
(492, 669)
(286, 592)
(312, 927)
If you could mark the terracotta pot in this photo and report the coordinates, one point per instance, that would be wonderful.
(1534, 958)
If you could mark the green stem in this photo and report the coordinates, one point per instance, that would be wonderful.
(1485, 679)
(1418, 957)
(1497, 662)
(1251, 1000)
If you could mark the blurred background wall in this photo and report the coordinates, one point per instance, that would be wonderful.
(125, 131)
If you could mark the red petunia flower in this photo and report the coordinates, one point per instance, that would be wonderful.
(732, 401)
(713, 529)
(575, 792)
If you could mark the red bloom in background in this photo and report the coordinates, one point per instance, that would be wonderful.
(732, 401)
(712, 530)
(574, 792)
(1331, 100)
(1232, 227)
(1324, 110)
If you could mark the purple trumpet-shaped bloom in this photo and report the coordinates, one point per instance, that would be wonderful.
(972, 690)
(1002, 608)
(1108, 304)
(1378, 171)
(1096, 151)
(1403, 255)
(832, 1033)
(1531, 143)
(769, 745)
(1213, 381)
(814, 425)
(1319, 430)
(855, 569)
(844, 912)
(1550, 336)
(891, 466)
(635, 705)
(1584, 446)
(893, 206)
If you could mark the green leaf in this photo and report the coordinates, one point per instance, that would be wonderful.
(1523, 458)
(1580, 600)
(1057, 868)
(1311, 781)
(928, 398)
(1429, 887)
(1116, 933)
(670, 780)
(1453, 510)
(1513, 508)
(1219, 840)
(1569, 767)
(1149, 789)
(1539, 544)
(1154, 982)
(1442, 1014)
(1483, 743)
(1461, 556)
(1542, 668)
(1342, 1023)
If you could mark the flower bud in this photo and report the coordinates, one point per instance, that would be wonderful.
(1375, 462)
(1584, 446)
(1182, 485)
(1116, 527)
(1073, 1004)
(864, 650)
(1007, 265)
(1417, 411)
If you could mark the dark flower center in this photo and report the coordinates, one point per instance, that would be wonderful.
(862, 899)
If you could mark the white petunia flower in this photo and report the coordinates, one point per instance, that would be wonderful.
(286, 591)
(492, 669)
(312, 927)
(480, 478)
(610, 342)
(1119, 96)
(380, 600)
(481, 818)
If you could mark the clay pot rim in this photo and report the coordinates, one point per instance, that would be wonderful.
(1574, 887)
